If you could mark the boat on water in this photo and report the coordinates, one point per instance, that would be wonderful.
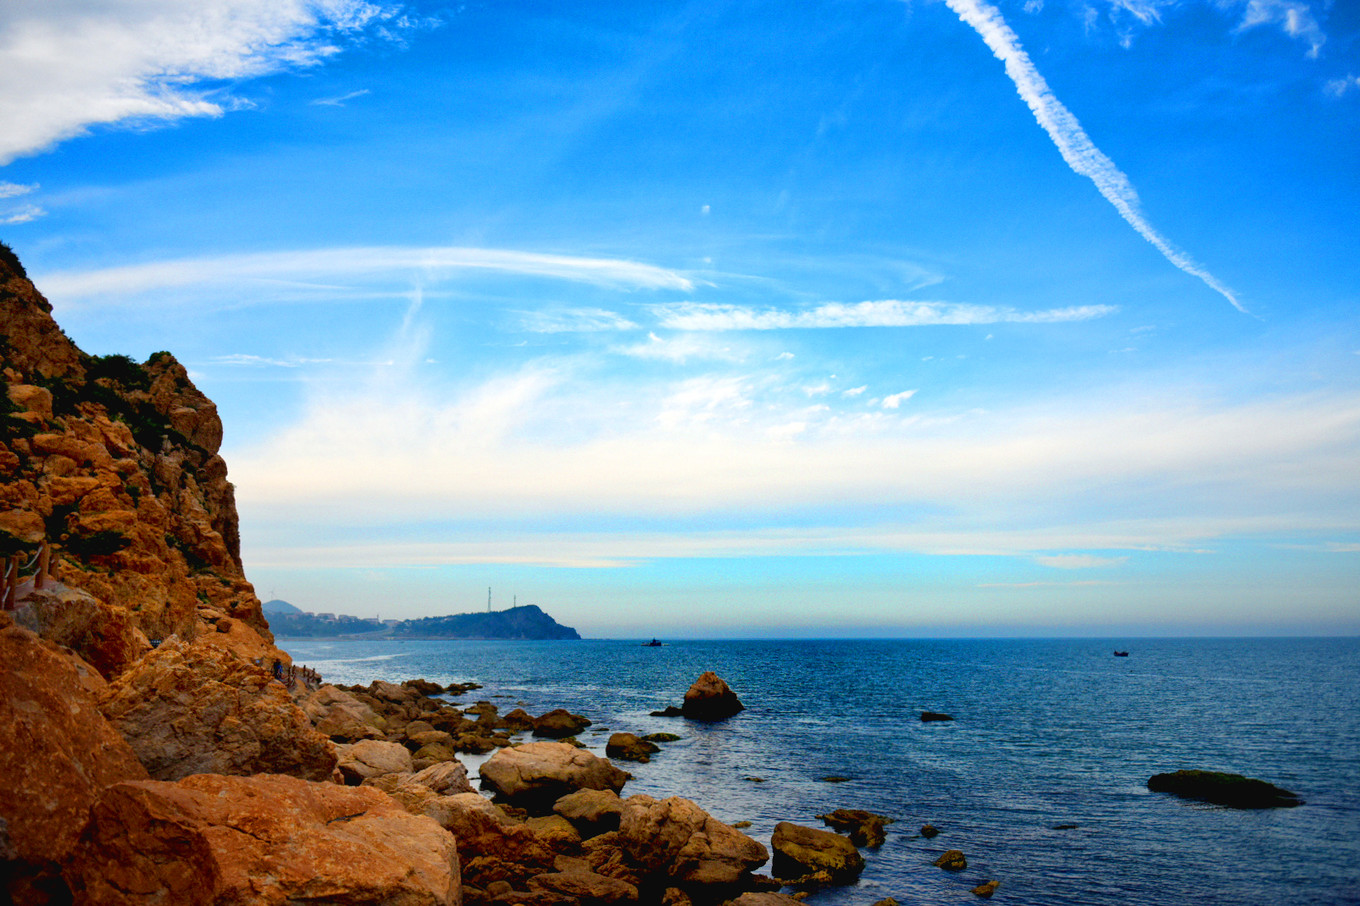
(654, 643)
(1121, 654)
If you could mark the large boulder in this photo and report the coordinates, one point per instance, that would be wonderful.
(339, 715)
(800, 851)
(200, 709)
(710, 699)
(591, 812)
(1232, 790)
(448, 778)
(372, 758)
(492, 846)
(674, 839)
(57, 753)
(559, 724)
(267, 839)
(537, 774)
(106, 637)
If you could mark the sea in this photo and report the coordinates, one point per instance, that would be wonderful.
(1041, 778)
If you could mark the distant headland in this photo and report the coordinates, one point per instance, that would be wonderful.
(528, 623)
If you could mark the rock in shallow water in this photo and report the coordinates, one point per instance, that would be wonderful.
(711, 699)
(801, 851)
(1232, 790)
(865, 828)
(677, 840)
(952, 860)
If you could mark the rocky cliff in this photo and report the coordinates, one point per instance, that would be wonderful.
(115, 465)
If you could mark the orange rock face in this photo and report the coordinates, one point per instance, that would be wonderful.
(260, 840)
(58, 752)
(198, 708)
(115, 464)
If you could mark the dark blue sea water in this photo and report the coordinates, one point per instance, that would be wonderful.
(1047, 732)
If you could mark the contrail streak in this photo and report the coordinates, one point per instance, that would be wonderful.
(1073, 143)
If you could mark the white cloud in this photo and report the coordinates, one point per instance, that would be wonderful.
(1341, 87)
(576, 320)
(67, 65)
(681, 349)
(855, 391)
(1294, 18)
(1079, 561)
(553, 446)
(1073, 144)
(22, 214)
(881, 313)
(897, 399)
(14, 189)
(340, 101)
(337, 264)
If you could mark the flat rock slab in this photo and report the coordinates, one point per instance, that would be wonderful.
(268, 840)
(1231, 790)
(800, 851)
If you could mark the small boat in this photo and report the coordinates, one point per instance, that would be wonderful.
(1121, 654)
(654, 643)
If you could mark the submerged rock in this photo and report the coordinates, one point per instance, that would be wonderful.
(800, 851)
(630, 747)
(1232, 790)
(711, 699)
(952, 860)
(865, 828)
(986, 890)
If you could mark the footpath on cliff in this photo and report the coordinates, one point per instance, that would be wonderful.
(152, 756)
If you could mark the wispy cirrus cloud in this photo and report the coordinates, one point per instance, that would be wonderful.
(679, 350)
(1072, 142)
(67, 65)
(24, 212)
(1079, 561)
(337, 264)
(881, 313)
(341, 100)
(1291, 16)
(575, 320)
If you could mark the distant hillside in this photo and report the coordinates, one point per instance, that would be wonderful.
(276, 607)
(527, 622)
(297, 624)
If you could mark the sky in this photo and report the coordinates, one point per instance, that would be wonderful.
(731, 319)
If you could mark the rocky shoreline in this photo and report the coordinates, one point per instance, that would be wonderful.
(159, 750)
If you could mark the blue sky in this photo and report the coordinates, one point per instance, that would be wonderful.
(718, 319)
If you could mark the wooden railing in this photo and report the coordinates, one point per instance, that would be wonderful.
(14, 570)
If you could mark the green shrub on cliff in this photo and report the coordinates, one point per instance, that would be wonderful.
(8, 257)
